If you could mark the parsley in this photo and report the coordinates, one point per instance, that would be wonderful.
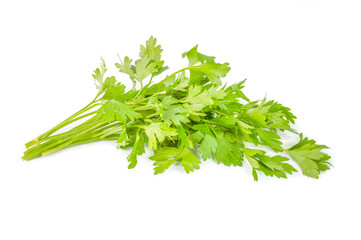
(186, 116)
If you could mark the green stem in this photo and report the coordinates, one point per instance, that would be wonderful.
(108, 132)
(79, 142)
(63, 123)
(173, 74)
(59, 140)
(169, 76)
(92, 140)
(146, 107)
(143, 99)
(106, 127)
(150, 80)
(71, 140)
(138, 93)
(83, 116)
(71, 131)
(152, 115)
(76, 129)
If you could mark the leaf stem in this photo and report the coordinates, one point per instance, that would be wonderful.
(64, 123)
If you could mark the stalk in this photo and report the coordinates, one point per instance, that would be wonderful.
(49, 141)
(59, 141)
(91, 130)
(66, 122)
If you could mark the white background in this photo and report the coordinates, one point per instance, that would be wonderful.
(305, 54)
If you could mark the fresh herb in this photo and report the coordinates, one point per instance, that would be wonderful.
(187, 116)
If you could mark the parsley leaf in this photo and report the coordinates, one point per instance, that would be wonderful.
(125, 67)
(138, 149)
(99, 74)
(213, 71)
(163, 160)
(195, 57)
(307, 154)
(208, 144)
(113, 110)
(172, 112)
(270, 166)
(158, 132)
(228, 153)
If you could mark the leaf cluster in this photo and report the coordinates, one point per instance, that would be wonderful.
(189, 116)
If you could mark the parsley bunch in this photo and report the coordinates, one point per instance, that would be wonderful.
(185, 117)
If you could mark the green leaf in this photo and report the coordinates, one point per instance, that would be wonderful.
(213, 71)
(144, 67)
(309, 156)
(195, 57)
(270, 166)
(270, 139)
(181, 83)
(138, 149)
(169, 155)
(183, 136)
(99, 74)
(189, 160)
(125, 67)
(113, 110)
(224, 121)
(172, 112)
(123, 139)
(228, 153)
(279, 116)
(158, 132)
(160, 70)
(150, 62)
(113, 91)
(161, 166)
(216, 94)
(203, 129)
(208, 144)
(208, 67)
(151, 50)
(246, 132)
(197, 98)
(236, 89)
(126, 96)
(253, 114)
(175, 114)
